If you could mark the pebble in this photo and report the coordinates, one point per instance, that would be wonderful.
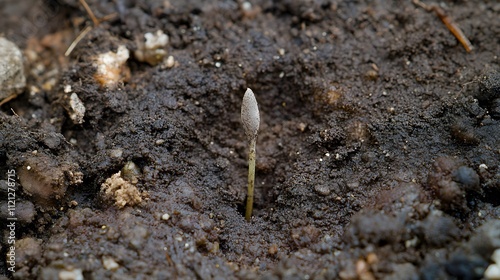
(111, 67)
(78, 109)
(323, 190)
(109, 263)
(165, 217)
(115, 153)
(170, 62)
(152, 50)
(75, 274)
(492, 272)
(12, 79)
(496, 256)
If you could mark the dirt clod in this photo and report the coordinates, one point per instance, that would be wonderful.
(451, 183)
(377, 146)
(46, 179)
(120, 191)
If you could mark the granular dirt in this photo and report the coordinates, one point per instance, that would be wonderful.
(377, 156)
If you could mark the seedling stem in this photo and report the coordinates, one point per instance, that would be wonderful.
(250, 118)
(251, 179)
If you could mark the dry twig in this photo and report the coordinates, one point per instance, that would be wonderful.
(450, 24)
(87, 29)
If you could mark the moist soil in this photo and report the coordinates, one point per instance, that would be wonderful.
(377, 156)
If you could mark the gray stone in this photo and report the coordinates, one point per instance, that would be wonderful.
(12, 79)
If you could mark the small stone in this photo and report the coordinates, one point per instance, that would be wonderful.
(111, 67)
(372, 258)
(115, 153)
(75, 274)
(273, 250)
(131, 172)
(371, 75)
(170, 62)
(247, 6)
(492, 272)
(323, 190)
(152, 50)
(12, 79)
(109, 263)
(496, 256)
(165, 217)
(77, 111)
(67, 89)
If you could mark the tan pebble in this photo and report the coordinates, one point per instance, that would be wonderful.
(109, 263)
(273, 249)
(371, 258)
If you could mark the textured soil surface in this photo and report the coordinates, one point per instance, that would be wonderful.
(377, 156)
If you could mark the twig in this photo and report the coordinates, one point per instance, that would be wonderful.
(7, 99)
(450, 24)
(108, 17)
(87, 29)
(89, 11)
(77, 40)
(14, 112)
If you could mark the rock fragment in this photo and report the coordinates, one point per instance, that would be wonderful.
(111, 67)
(152, 50)
(12, 79)
(77, 111)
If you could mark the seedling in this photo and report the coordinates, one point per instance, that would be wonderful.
(250, 119)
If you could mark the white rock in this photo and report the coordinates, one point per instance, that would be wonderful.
(75, 274)
(496, 256)
(77, 109)
(152, 50)
(492, 272)
(111, 66)
(67, 89)
(155, 41)
(165, 217)
(170, 62)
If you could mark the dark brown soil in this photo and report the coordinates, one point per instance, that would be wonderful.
(377, 156)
